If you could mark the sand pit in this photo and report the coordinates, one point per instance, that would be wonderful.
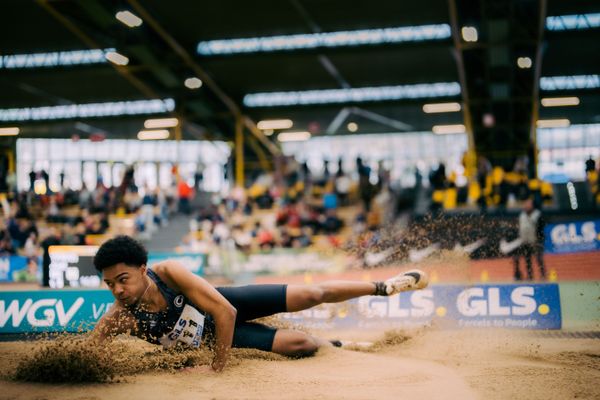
(430, 364)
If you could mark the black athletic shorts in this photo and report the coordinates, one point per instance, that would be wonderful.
(251, 302)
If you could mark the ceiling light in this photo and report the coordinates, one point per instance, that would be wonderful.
(117, 58)
(161, 123)
(275, 124)
(268, 132)
(488, 120)
(553, 123)
(12, 131)
(569, 82)
(524, 62)
(109, 109)
(448, 129)
(159, 134)
(129, 19)
(573, 22)
(293, 136)
(352, 126)
(560, 101)
(353, 95)
(469, 33)
(441, 107)
(325, 39)
(54, 59)
(193, 83)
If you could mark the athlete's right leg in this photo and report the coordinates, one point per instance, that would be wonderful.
(293, 343)
(286, 342)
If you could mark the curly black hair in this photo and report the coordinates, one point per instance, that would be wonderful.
(120, 249)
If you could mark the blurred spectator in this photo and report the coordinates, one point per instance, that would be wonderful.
(32, 176)
(30, 249)
(44, 175)
(590, 165)
(266, 240)
(364, 185)
(305, 174)
(149, 201)
(331, 223)
(6, 243)
(85, 198)
(20, 229)
(531, 233)
(53, 239)
(342, 185)
(199, 176)
(437, 177)
(326, 172)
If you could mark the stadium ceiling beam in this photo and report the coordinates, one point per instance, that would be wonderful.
(207, 79)
(137, 83)
(535, 107)
(458, 56)
(323, 59)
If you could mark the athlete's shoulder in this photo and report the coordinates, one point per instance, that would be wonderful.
(164, 269)
(167, 267)
(160, 268)
(169, 272)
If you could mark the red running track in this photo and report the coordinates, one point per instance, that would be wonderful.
(559, 267)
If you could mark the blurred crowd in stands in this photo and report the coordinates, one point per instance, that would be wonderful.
(32, 218)
(489, 186)
(293, 207)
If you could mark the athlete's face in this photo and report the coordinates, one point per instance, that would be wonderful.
(126, 282)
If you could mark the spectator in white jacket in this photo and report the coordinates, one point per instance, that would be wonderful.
(531, 230)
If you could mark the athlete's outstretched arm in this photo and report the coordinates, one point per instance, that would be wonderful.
(205, 296)
(115, 322)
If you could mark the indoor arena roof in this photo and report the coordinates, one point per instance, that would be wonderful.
(374, 63)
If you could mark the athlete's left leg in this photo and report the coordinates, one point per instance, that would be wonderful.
(301, 297)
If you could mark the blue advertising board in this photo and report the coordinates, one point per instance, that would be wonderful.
(572, 237)
(534, 306)
(195, 262)
(52, 310)
(14, 269)
(17, 268)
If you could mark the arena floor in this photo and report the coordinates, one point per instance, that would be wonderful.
(428, 364)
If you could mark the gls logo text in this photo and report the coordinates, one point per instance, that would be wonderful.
(48, 308)
(475, 302)
(420, 304)
(568, 233)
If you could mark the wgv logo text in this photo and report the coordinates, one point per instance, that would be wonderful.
(39, 313)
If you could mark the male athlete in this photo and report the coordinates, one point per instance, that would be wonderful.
(169, 304)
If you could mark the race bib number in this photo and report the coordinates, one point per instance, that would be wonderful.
(188, 329)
